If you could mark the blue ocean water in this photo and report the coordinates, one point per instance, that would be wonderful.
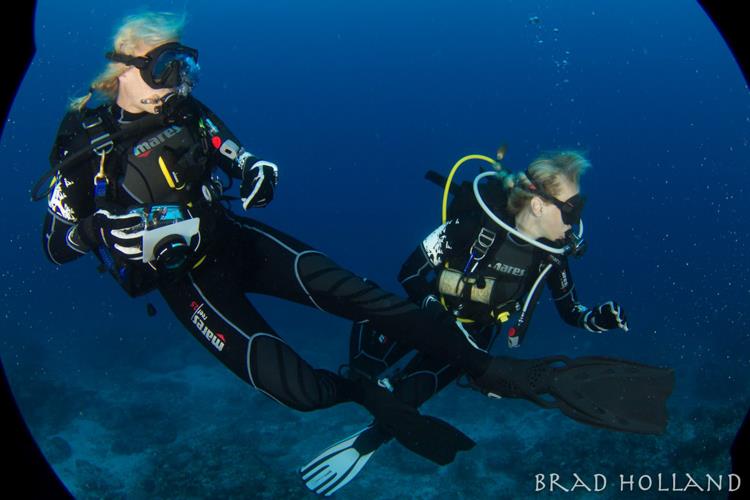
(355, 101)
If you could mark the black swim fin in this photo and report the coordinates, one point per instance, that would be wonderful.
(430, 437)
(604, 392)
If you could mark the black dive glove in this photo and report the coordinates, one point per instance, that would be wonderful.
(258, 182)
(120, 233)
(606, 316)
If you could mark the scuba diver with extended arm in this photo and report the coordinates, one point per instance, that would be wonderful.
(506, 236)
(132, 183)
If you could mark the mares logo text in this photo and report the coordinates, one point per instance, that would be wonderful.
(199, 319)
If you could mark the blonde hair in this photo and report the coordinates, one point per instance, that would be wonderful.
(547, 171)
(138, 31)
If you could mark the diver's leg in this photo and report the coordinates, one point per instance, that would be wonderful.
(262, 260)
(370, 352)
(424, 376)
(280, 265)
(345, 294)
(421, 379)
(219, 316)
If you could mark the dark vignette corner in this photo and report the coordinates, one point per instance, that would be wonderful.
(25, 469)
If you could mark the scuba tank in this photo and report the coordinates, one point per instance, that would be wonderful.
(457, 284)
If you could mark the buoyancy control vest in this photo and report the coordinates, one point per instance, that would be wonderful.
(493, 257)
(147, 162)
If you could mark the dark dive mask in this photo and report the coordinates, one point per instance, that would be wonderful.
(570, 209)
(164, 67)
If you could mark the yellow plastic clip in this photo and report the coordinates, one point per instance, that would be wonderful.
(200, 261)
(503, 316)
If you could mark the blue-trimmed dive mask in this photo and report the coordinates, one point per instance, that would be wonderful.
(168, 66)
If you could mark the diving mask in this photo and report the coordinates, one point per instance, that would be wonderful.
(570, 209)
(168, 66)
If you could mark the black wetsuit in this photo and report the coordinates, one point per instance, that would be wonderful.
(235, 255)
(514, 264)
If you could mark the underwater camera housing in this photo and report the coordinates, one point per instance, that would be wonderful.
(167, 234)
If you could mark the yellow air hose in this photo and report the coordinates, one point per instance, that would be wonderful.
(453, 172)
(496, 165)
